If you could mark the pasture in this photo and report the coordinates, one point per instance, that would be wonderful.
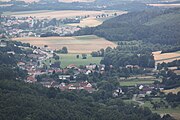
(76, 44)
(68, 59)
(166, 57)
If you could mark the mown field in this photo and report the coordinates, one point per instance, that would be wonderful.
(68, 59)
(174, 90)
(177, 72)
(77, 44)
(165, 5)
(166, 57)
(90, 22)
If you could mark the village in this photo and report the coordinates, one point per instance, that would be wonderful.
(70, 78)
(64, 79)
(35, 27)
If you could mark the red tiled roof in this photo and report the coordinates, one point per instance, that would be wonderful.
(31, 78)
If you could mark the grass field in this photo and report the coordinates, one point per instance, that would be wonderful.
(79, 44)
(135, 82)
(132, 81)
(67, 59)
(166, 57)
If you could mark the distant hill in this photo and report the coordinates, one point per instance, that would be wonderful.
(68, 5)
(155, 26)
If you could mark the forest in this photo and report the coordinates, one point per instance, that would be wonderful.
(155, 26)
(34, 102)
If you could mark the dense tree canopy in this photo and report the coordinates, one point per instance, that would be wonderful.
(27, 101)
(156, 26)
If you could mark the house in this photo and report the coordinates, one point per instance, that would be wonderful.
(141, 87)
(55, 84)
(80, 86)
(74, 86)
(33, 56)
(91, 66)
(72, 66)
(85, 84)
(129, 66)
(89, 89)
(88, 72)
(35, 51)
(136, 66)
(62, 86)
(46, 84)
(64, 77)
(132, 66)
(20, 63)
(3, 43)
(31, 79)
(11, 52)
(117, 92)
(145, 90)
(102, 67)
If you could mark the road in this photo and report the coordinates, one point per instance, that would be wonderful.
(135, 100)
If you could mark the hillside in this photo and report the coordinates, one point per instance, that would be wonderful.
(155, 26)
(67, 5)
(21, 101)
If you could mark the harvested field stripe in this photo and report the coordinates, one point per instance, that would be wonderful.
(169, 58)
